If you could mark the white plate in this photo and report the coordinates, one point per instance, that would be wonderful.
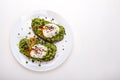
(22, 26)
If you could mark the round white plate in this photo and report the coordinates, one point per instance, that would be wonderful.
(22, 29)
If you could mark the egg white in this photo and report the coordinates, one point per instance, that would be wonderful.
(50, 33)
(34, 54)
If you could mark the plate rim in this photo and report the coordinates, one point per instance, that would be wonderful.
(15, 56)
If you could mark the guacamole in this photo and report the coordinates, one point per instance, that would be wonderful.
(38, 25)
(25, 46)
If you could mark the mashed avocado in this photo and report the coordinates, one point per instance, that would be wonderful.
(37, 27)
(25, 46)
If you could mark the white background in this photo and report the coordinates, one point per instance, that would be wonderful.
(96, 30)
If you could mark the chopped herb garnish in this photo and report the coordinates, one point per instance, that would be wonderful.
(52, 19)
(18, 33)
(29, 33)
(39, 65)
(26, 36)
(34, 36)
(32, 60)
(65, 33)
(56, 33)
(26, 62)
(29, 27)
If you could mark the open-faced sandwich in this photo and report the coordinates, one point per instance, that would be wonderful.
(47, 30)
(37, 50)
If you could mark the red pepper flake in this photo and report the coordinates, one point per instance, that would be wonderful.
(48, 28)
(38, 50)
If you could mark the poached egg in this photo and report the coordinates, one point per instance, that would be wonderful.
(38, 51)
(50, 30)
